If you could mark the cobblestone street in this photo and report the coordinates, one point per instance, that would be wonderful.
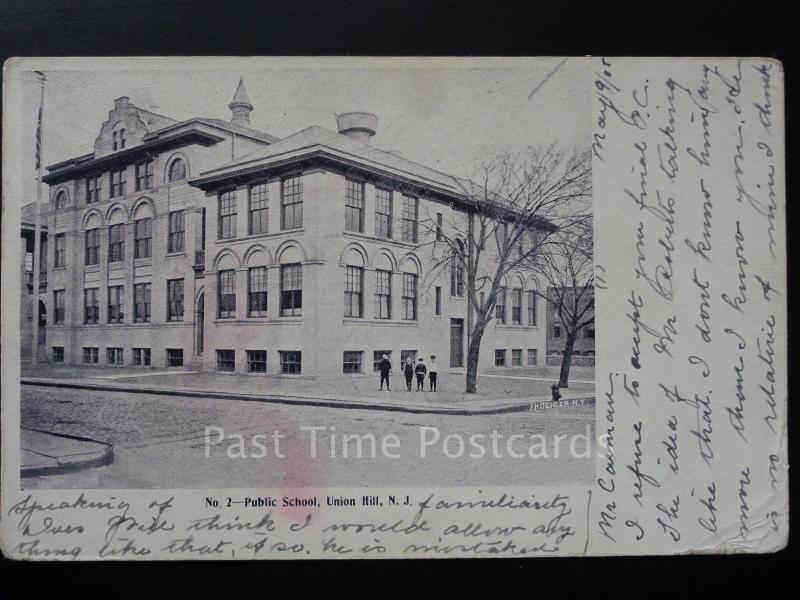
(159, 442)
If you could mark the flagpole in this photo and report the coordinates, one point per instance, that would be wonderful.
(37, 235)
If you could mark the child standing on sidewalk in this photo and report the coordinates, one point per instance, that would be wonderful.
(420, 371)
(432, 372)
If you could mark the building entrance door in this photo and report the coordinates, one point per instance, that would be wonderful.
(456, 342)
(42, 326)
(199, 322)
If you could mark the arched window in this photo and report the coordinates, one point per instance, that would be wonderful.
(121, 138)
(61, 200)
(457, 271)
(177, 170)
(114, 138)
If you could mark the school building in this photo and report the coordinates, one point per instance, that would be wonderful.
(207, 244)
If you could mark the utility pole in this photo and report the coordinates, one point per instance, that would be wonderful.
(37, 235)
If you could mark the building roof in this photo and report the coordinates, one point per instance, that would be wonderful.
(320, 139)
(316, 140)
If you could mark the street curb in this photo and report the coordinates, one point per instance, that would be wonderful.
(516, 406)
(105, 457)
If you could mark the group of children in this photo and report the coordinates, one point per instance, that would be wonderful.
(409, 370)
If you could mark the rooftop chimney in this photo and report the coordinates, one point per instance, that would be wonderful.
(360, 126)
(121, 101)
(240, 106)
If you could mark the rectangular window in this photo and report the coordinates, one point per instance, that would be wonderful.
(292, 202)
(58, 354)
(116, 300)
(174, 357)
(90, 355)
(143, 238)
(409, 296)
(589, 335)
(60, 258)
(92, 247)
(141, 302)
(141, 357)
(175, 300)
(499, 358)
(556, 331)
(439, 228)
(91, 306)
(291, 290)
(516, 306)
(226, 227)
(144, 175)
(531, 357)
(500, 306)
(353, 283)
(226, 294)
(116, 243)
(531, 308)
(352, 362)
(410, 216)
(58, 307)
(114, 356)
(291, 362)
(383, 294)
(226, 360)
(258, 199)
(257, 292)
(438, 301)
(383, 213)
(117, 180)
(175, 236)
(516, 358)
(377, 357)
(406, 354)
(256, 361)
(93, 189)
(354, 206)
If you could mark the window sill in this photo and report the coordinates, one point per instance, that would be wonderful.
(64, 268)
(175, 255)
(363, 321)
(377, 238)
(143, 262)
(91, 268)
(257, 236)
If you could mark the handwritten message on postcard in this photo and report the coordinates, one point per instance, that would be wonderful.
(691, 250)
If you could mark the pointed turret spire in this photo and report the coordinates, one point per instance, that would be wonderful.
(240, 106)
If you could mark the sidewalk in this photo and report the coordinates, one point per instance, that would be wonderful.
(44, 453)
(498, 395)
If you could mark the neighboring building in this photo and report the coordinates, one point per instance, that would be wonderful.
(26, 302)
(556, 336)
(206, 243)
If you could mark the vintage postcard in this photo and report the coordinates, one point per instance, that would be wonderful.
(274, 308)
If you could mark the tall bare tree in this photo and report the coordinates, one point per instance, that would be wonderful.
(514, 205)
(566, 264)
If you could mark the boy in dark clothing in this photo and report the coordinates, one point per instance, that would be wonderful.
(408, 371)
(420, 371)
(385, 366)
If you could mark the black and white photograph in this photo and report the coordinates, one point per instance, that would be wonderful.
(300, 276)
(345, 307)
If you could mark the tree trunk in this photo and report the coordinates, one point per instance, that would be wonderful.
(566, 360)
(473, 353)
